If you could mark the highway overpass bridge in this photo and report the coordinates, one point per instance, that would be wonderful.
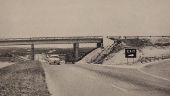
(53, 40)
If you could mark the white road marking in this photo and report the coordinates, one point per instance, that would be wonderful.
(122, 89)
(159, 77)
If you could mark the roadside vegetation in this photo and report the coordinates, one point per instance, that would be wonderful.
(24, 78)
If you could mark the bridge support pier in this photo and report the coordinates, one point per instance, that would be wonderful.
(76, 51)
(32, 52)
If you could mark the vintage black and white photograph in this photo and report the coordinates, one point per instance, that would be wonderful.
(84, 47)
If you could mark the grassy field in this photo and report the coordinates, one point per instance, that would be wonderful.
(25, 78)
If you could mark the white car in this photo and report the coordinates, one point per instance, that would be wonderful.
(54, 59)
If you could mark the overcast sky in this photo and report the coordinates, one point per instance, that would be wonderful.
(34, 18)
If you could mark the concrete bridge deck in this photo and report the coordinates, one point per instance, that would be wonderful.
(51, 40)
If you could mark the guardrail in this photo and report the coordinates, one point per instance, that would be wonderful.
(134, 37)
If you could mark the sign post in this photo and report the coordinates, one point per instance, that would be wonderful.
(130, 53)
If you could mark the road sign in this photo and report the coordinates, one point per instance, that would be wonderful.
(130, 53)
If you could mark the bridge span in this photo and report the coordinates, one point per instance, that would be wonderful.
(53, 40)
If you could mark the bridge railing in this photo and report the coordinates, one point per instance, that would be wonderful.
(51, 38)
(78, 37)
(11, 39)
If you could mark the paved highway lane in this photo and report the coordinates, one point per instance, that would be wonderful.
(94, 80)
(68, 80)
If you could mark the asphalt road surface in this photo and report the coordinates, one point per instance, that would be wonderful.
(95, 80)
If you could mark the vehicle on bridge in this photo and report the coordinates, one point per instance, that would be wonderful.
(54, 59)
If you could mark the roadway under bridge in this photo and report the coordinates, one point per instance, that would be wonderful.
(53, 40)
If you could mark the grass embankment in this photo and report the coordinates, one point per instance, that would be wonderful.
(25, 78)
